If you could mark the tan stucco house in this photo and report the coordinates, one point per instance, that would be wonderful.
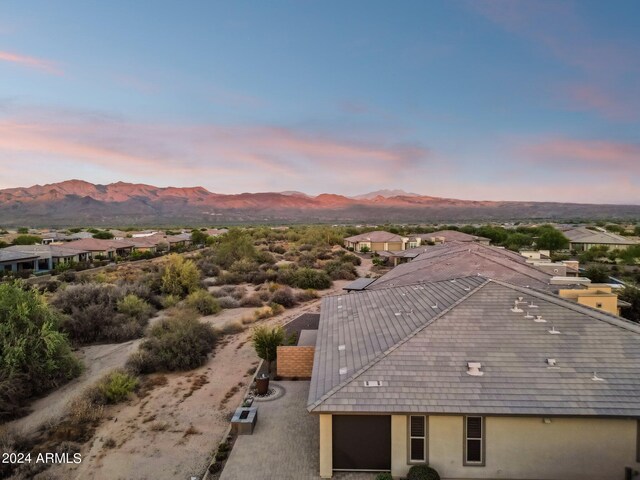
(377, 241)
(480, 378)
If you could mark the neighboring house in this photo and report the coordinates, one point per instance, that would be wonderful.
(214, 232)
(582, 238)
(108, 249)
(596, 295)
(180, 240)
(479, 378)
(17, 261)
(376, 242)
(443, 236)
(49, 256)
(145, 233)
(455, 259)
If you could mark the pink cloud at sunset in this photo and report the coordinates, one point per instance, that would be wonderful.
(31, 62)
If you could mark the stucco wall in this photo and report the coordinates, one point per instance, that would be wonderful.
(294, 361)
(527, 448)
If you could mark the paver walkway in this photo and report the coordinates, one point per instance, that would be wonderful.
(284, 444)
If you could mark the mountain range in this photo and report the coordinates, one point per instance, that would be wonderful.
(76, 202)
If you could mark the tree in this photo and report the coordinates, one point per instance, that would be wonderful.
(597, 274)
(180, 276)
(631, 294)
(266, 342)
(23, 230)
(199, 237)
(552, 239)
(104, 235)
(27, 240)
(34, 355)
(233, 246)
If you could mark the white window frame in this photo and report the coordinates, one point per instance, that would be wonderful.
(466, 461)
(423, 438)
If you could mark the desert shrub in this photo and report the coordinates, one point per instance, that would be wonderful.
(68, 276)
(135, 307)
(232, 326)
(310, 278)
(169, 301)
(34, 355)
(238, 292)
(180, 342)
(306, 295)
(350, 258)
(244, 266)
(278, 249)
(180, 276)
(422, 472)
(384, 476)
(285, 297)
(252, 300)
(338, 270)
(264, 257)
(228, 302)
(91, 314)
(266, 342)
(83, 410)
(307, 259)
(230, 278)
(305, 247)
(203, 302)
(114, 387)
(208, 266)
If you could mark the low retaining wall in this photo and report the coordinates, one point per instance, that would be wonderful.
(294, 361)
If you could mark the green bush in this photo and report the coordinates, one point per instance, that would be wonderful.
(115, 387)
(203, 302)
(180, 277)
(422, 472)
(384, 476)
(338, 270)
(180, 342)
(34, 355)
(285, 297)
(309, 278)
(134, 307)
(266, 341)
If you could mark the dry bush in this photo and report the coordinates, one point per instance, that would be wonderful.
(228, 302)
(253, 300)
(232, 327)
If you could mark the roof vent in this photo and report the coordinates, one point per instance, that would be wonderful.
(339, 306)
(552, 362)
(539, 319)
(372, 383)
(343, 371)
(453, 281)
(553, 331)
(521, 300)
(473, 369)
(397, 314)
(596, 378)
(528, 315)
(435, 307)
(532, 305)
(466, 289)
(342, 347)
(516, 308)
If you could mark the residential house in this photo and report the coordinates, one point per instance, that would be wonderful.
(596, 295)
(443, 236)
(541, 259)
(479, 378)
(215, 232)
(108, 249)
(583, 238)
(376, 242)
(49, 256)
(17, 261)
(176, 241)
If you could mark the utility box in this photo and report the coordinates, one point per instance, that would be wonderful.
(244, 420)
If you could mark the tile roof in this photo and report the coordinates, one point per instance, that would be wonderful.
(372, 321)
(377, 236)
(457, 259)
(585, 235)
(424, 369)
(451, 236)
(99, 245)
(9, 256)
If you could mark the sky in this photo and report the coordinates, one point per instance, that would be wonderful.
(471, 99)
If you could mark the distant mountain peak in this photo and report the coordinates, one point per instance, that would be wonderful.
(386, 193)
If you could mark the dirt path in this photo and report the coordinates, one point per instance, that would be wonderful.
(98, 360)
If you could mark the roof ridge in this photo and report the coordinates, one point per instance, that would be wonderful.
(427, 282)
(402, 341)
(524, 271)
(563, 302)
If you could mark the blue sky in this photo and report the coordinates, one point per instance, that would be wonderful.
(498, 100)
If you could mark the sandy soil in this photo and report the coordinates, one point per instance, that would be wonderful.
(98, 360)
(173, 430)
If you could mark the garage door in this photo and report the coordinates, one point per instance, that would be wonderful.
(361, 442)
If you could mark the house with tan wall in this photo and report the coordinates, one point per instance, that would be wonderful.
(479, 378)
(596, 295)
(377, 241)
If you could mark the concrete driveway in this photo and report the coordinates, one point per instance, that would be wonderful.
(284, 444)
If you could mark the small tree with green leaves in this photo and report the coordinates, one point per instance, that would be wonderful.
(180, 276)
(266, 342)
(27, 240)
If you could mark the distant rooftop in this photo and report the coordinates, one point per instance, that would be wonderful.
(377, 236)
(585, 235)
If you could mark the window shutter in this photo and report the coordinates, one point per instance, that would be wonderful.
(474, 433)
(417, 438)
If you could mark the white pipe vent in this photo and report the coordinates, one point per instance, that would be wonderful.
(539, 319)
(372, 383)
(596, 378)
(343, 371)
(473, 369)
(553, 331)
(552, 362)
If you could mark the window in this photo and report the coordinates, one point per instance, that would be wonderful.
(598, 305)
(474, 441)
(417, 438)
(638, 441)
